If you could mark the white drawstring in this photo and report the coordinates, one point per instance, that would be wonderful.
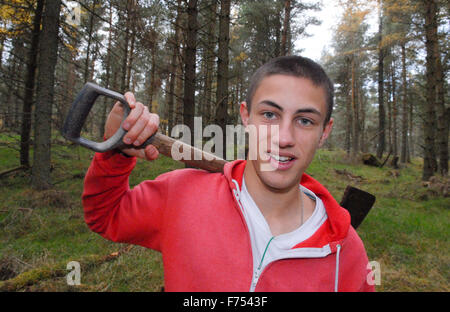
(336, 278)
(237, 193)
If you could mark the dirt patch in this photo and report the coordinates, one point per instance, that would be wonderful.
(438, 186)
(48, 198)
(8, 269)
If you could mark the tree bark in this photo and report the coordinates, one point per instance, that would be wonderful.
(442, 114)
(286, 27)
(355, 112)
(207, 104)
(104, 108)
(132, 21)
(45, 91)
(430, 116)
(348, 106)
(29, 87)
(404, 152)
(381, 110)
(222, 68)
(389, 110)
(89, 42)
(154, 82)
(173, 69)
(394, 111)
(123, 73)
(190, 65)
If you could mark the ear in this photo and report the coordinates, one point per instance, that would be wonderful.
(326, 132)
(243, 110)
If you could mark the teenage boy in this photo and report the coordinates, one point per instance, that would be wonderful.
(248, 228)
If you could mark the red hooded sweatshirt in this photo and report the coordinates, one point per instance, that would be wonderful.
(193, 218)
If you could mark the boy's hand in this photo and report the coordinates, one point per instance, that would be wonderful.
(140, 124)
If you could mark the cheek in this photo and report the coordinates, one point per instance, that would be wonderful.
(308, 141)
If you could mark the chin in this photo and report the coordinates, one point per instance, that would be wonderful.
(280, 181)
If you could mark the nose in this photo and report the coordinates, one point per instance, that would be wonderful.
(284, 135)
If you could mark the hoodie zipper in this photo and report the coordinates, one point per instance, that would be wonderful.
(336, 277)
(236, 193)
(257, 274)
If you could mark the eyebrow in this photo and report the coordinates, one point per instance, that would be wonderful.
(302, 110)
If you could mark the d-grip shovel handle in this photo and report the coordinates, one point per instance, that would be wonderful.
(80, 110)
(166, 145)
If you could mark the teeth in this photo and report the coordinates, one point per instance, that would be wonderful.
(281, 158)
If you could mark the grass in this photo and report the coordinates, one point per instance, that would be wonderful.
(406, 231)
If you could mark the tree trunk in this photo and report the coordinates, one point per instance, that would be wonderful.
(362, 99)
(123, 73)
(153, 85)
(394, 111)
(286, 27)
(190, 65)
(404, 152)
(179, 109)
(410, 153)
(89, 42)
(278, 30)
(44, 100)
(207, 104)
(381, 111)
(355, 112)
(348, 106)
(29, 87)
(173, 69)
(154, 82)
(104, 108)
(430, 117)
(12, 84)
(2, 42)
(132, 14)
(389, 111)
(222, 68)
(442, 114)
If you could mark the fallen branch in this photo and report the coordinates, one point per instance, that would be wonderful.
(34, 276)
(387, 158)
(5, 172)
(349, 175)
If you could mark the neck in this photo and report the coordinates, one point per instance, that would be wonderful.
(284, 210)
(273, 203)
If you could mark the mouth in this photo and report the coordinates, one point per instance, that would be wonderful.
(282, 162)
(281, 159)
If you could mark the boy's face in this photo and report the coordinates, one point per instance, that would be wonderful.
(298, 109)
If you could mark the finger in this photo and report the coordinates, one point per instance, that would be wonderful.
(137, 128)
(147, 132)
(130, 99)
(133, 116)
(151, 153)
(154, 119)
(135, 152)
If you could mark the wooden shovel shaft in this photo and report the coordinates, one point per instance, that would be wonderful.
(196, 157)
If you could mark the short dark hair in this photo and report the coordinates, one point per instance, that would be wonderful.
(296, 66)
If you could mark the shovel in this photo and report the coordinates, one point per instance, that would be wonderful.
(356, 201)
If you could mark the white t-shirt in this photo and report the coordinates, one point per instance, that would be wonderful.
(266, 247)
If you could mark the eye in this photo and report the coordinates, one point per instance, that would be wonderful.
(269, 115)
(305, 122)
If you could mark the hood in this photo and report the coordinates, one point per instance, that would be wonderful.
(335, 228)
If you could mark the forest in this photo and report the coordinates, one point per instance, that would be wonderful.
(194, 58)
(389, 61)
